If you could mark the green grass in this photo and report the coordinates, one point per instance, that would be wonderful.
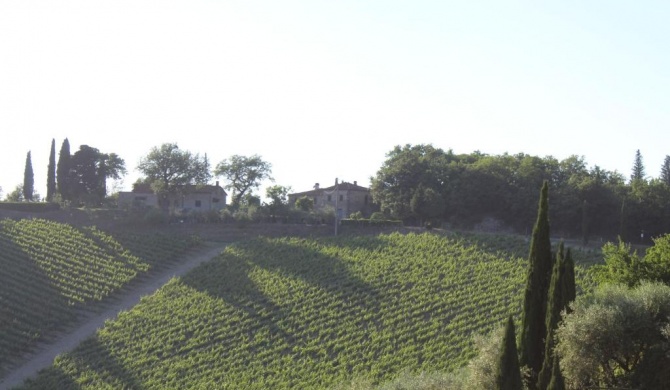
(307, 313)
(49, 271)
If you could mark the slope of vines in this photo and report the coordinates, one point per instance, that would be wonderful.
(49, 271)
(305, 313)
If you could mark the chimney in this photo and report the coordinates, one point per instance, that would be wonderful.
(217, 183)
(316, 186)
(355, 183)
(335, 181)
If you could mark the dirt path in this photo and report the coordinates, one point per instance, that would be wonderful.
(44, 355)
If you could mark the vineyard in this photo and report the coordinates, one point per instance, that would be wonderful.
(307, 313)
(50, 272)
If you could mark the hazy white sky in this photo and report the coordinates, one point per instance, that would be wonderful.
(324, 89)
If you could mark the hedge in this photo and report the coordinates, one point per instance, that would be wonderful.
(369, 222)
(32, 207)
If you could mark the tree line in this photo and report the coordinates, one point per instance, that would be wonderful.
(420, 183)
(77, 178)
(81, 178)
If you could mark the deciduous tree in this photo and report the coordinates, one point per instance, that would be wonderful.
(406, 171)
(278, 196)
(243, 174)
(89, 170)
(427, 204)
(111, 167)
(16, 195)
(304, 203)
(168, 168)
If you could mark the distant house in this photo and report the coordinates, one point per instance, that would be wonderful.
(189, 198)
(346, 198)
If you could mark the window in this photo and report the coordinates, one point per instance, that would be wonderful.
(198, 203)
(341, 198)
(314, 201)
(330, 198)
(365, 201)
(215, 200)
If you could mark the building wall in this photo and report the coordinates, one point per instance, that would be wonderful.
(204, 201)
(198, 201)
(133, 199)
(348, 201)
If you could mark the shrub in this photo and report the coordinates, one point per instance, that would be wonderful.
(377, 216)
(225, 215)
(32, 207)
(305, 203)
(156, 217)
(623, 265)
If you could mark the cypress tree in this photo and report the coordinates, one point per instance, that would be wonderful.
(569, 287)
(63, 170)
(638, 172)
(555, 305)
(533, 331)
(28, 180)
(557, 382)
(665, 170)
(508, 373)
(51, 173)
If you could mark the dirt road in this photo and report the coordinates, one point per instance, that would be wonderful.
(46, 352)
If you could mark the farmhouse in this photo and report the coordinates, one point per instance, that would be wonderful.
(346, 198)
(189, 198)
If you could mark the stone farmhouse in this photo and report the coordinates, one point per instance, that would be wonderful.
(191, 198)
(346, 198)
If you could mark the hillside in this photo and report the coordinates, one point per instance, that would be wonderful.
(53, 272)
(307, 313)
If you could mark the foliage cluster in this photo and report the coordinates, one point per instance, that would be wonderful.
(618, 338)
(29, 207)
(51, 270)
(420, 182)
(370, 222)
(81, 178)
(623, 265)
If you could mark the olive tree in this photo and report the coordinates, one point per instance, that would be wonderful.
(617, 337)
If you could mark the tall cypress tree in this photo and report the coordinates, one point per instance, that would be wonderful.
(51, 173)
(508, 373)
(63, 170)
(557, 382)
(568, 286)
(533, 331)
(28, 179)
(555, 304)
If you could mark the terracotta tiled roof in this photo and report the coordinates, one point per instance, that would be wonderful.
(143, 188)
(343, 186)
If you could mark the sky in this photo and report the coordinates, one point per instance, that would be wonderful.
(325, 89)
